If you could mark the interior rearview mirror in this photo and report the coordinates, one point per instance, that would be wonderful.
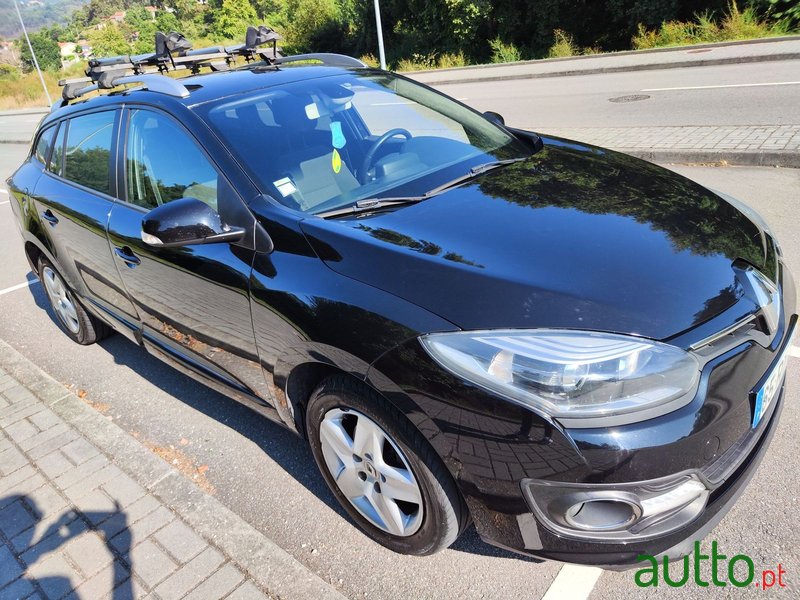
(494, 117)
(185, 222)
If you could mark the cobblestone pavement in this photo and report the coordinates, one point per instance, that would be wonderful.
(75, 524)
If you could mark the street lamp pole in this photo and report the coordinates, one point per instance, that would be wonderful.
(33, 54)
(381, 52)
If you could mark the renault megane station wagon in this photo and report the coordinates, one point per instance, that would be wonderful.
(579, 352)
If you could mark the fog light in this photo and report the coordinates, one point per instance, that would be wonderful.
(602, 514)
(617, 512)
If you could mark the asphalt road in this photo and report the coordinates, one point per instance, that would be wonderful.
(584, 101)
(267, 476)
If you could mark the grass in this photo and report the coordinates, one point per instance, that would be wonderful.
(426, 62)
(736, 24)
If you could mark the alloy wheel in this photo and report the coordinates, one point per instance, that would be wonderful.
(61, 299)
(371, 471)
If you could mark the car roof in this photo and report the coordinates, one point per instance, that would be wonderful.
(208, 87)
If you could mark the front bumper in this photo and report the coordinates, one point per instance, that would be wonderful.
(492, 447)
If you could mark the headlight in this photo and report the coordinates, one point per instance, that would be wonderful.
(572, 375)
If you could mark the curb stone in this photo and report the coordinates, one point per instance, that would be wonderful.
(710, 62)
(264, 561)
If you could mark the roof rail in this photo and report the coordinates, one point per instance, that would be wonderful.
(332, 60)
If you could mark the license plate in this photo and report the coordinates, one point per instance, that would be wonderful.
(772, 386)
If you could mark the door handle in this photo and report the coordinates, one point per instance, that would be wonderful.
(50, 217)
(128, 256)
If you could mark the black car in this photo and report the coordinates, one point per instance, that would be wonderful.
(578, 351)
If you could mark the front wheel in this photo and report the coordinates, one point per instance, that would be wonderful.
(381, 469)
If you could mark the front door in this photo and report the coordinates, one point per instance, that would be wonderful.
(193, 300)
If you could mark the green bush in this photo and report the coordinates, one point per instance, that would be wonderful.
(9, 72)
(736, 24)
(563, 45)
(503, 53)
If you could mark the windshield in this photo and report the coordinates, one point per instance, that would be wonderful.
(326, 143)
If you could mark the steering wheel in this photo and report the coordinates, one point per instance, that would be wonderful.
(370, 155)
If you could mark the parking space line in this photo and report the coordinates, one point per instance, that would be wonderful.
(794, 351)
(19, 286)
(574, 582)
(5, 201)
(3, 191)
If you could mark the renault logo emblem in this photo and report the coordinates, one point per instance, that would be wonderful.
(763, 292)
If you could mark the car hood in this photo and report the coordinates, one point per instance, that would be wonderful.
(576, 237)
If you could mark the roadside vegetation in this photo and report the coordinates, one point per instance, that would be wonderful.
(736, 24)
(419, 35)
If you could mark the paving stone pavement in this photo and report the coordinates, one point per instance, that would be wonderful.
(85, 513)
(757, 144)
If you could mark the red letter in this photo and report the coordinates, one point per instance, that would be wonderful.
(764, 584)
(781, 571)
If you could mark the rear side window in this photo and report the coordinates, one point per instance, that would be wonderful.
(165, 164)
(88, 153)
(43, 146)
(54, 166)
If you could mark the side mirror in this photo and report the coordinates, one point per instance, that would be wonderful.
(495, 117)
(184, 222)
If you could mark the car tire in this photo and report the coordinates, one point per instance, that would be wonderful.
(341, 414)
(71, 317)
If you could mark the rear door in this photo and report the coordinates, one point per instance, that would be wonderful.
(73, 200)
(193, 300)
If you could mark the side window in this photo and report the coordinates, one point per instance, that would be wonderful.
(54, 165)
(164, 163)
(44, 145)
(88, 153)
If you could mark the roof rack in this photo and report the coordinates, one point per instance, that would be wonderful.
(174, 52)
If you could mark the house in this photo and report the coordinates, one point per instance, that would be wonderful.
(69, 53)
(86, 49)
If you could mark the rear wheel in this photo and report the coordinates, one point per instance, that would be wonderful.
(381, 469)
(70, 315)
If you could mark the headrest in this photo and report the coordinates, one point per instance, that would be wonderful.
(295, 111)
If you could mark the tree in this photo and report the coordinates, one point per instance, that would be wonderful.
(46, 49)
(108, 41)
(232, 19)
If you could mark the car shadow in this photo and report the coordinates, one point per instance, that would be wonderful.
(35, 538)
(284, 447)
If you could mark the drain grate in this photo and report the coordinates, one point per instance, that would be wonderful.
(631, 98)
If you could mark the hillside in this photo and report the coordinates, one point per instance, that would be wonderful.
(36, 13)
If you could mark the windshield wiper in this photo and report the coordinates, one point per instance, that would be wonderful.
(369, 205)
(473, 173)
(373, 204)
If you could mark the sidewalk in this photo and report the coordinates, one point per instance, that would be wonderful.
(777, 145)
(701, 55)
(86, 510)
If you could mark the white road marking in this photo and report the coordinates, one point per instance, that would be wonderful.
(5, 202)
(574, 582)
(714, 87)
(19, 286)
(794, 351)
(3, 191)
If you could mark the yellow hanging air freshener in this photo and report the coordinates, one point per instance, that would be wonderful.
(336, 161)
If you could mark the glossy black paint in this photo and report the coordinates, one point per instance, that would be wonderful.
(188, 221)
(576, 237)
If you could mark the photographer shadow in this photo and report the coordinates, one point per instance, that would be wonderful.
(34, 551)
